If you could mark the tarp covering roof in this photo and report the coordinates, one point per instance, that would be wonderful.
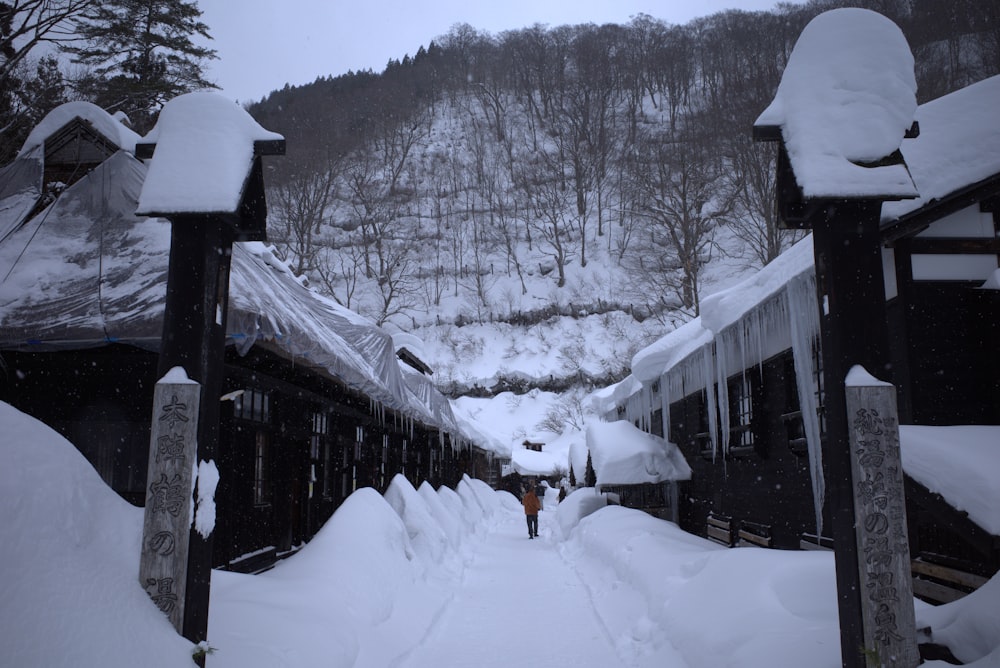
(86, 271)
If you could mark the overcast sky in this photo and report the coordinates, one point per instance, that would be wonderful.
(264, 44)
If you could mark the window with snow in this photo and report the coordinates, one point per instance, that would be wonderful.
(319, 449)
(740, 411)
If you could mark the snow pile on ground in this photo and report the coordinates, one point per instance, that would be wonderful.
(577, 505)
(372, 585)
(662, 591)
(69, 585)
(368, 576)
(970, 626)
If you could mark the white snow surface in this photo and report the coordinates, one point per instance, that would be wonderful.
(529, 462)
(100, 120)
(623, 454)
(859, 376)
(959, 463)
(725, 307)
(958, 145)
(650, 362)
(602, 586)
(208, 480)
(204, 151)
(847, 96)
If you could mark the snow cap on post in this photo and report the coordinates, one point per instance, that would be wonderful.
(846, 99)
(206, 149)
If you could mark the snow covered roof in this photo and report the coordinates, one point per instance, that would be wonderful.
(650, 362)
(722, 309)
(726, 307)
(960, 463)
(846, 99)
(204, 152)
(623, 454)
(605, 399)
(958, 145)
(87, 271)
(110, 127)
(529, 462)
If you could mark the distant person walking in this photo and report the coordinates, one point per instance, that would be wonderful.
(531, 508)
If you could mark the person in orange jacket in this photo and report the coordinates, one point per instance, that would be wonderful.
(531, 508)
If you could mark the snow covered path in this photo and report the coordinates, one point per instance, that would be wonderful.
(519, 603)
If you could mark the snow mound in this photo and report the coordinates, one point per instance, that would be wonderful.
(577, 505)
(69, 588)
(426, 534)
(623, 454)
(450, 523)
(970, 626)
(846, 99)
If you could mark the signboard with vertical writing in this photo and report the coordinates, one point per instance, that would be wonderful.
(166, 527)
(880, 512)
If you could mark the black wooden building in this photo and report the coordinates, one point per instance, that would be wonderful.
(316, 400)
(740, 388)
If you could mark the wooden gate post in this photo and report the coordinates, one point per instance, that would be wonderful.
(206, 177)
(840, 127)
(880, 520)
(173, 451)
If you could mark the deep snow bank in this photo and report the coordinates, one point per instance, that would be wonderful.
(69, 587)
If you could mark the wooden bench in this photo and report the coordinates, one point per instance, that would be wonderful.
(810, 541)
(254, 562)
(719, 529)
(752, 534)
(942, 584)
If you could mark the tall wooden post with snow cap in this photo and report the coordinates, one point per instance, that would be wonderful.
(846, 100)
(880, 513)
(205, 176)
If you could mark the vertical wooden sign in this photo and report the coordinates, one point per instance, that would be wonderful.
(173, 450)
(880, 514)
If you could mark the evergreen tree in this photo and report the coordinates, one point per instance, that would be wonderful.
(25, 99)
(142, 54)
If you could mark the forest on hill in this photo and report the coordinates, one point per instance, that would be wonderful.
(535, 205)
(484, 163)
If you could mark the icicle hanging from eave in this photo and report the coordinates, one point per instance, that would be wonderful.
(803, 317)
(645, 407)
(665, 406)
(673, 379)
(722, 357)
(710, 401)
(633, 407)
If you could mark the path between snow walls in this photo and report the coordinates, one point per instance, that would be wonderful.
(518, 603)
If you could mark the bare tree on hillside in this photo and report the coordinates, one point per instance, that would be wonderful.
(679, 200)
(298, 208)
(549, 204)
(339, 270)
(503, 210)
(397, 283)
(754, 216)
